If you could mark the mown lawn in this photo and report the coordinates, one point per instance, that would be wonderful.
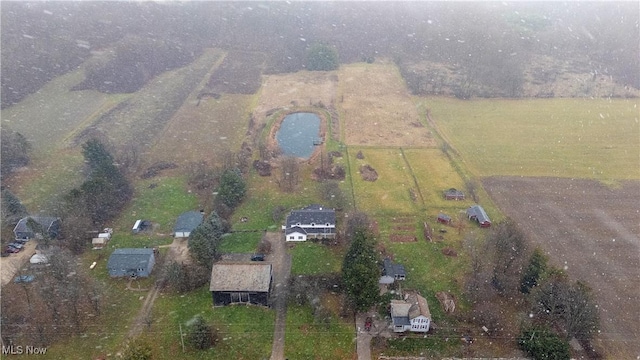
(161, 200)
(309, 258)
(244, 332)
(106, 333)
(583, 138)
(306, 338)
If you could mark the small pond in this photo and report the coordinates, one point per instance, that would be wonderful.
(297, 134)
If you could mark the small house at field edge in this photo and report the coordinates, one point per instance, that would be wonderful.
(313, 221)
(187, 222)
(411, 314)
(50, 224)
(478, 214)
(131, 262)
(240, 283)
(392, 272)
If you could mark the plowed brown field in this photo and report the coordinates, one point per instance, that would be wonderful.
(592, 231)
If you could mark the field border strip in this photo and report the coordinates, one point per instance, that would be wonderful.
(415, 179)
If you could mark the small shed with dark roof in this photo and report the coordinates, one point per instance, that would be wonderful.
(453, 194)
(478, 214)
(187, 222)
(131, 262)
(243, 283)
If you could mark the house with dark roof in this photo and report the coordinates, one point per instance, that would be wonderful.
(453, 194)
(311, 222)
(391, 272)
(411, 314)
(240, 283)
(48, 225)
(477, 213)
(131, 262)
(187, 222)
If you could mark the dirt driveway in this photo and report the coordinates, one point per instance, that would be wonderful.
(280, 259)
(12, 263)
(593, 232)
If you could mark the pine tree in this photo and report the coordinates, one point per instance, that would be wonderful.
(361, 271)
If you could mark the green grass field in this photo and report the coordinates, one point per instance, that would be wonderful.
(48, 116)
(307, 339)
(310, 258)
(389, 194)
(583, 138)
(245, 332)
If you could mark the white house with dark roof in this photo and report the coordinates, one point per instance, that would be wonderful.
(311, 222)
(411, 314)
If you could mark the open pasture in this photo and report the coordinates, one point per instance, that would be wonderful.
(239, 73)
(302, 88)
(390, 193)
(376, 108)
(574, 138)
(435, 174)
(138, 121)
(50, 115)
(203, 132)
(592, 231)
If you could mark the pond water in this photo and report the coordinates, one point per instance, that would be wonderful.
(297, 134)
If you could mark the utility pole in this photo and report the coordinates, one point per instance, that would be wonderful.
(181, 338)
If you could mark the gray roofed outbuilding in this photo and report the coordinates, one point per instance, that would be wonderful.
(187, 222)
(131, 262)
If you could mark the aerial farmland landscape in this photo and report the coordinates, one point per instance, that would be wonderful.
(473, 188)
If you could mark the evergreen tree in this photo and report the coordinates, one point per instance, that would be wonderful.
(232, 188)
(322, 57)
(205, 240)
(541, 343)
(361, 271)
(199, 334)
(106, 191)
(12, 208)
(537, 266)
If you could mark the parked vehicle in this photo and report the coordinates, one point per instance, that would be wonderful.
(257, 257)
(12, 250)
(16, 245)
(24, 279)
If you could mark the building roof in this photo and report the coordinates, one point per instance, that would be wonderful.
(418, 305)
(240, 277)
(44, 221)
(478, 212)
(295, 229)
(391, 269)
(400, 312)
(444, 217)
(130, 258)
(454, 192)
(312, 214)
(187, 221)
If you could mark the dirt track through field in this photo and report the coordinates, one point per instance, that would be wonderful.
(593, 232)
